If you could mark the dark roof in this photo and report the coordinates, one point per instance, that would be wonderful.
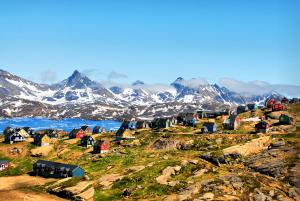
(74, 131)
(86, 138)
(50, 131)
(8, 130)
(97, 128)
(56, 164)
(84, 127)
(38, 137)
(26, 128)
(3, 162)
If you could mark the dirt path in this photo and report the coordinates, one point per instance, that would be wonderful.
(16, 188)
(27, 195)
(23, 181)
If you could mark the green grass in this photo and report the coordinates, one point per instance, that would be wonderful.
(71, 182)
(289, 135)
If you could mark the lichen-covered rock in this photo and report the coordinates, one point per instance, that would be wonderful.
(165, 144)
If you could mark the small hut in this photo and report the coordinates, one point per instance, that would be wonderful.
(278, 106)
(11, 136)
(232, 123)
(87, 141)
(4, 164)
(209, 127)
(42, 140)
(262, 127)
(29, 130)
(123, 134)
(142, 124)
(159, 123)
(97, 130)
(86, 129)
(101, 147)
(285, 119)
(252, 106)
(76, 133)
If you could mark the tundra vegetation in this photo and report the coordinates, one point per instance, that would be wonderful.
(177, 163)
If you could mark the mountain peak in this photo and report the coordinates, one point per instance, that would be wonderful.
(77, 79)
(76, 73)
(179, 79)
(138, 82)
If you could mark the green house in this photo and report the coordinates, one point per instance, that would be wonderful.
(285, 119)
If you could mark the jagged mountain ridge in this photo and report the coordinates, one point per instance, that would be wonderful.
(78, 96)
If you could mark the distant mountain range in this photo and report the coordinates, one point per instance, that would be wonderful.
(78, 96)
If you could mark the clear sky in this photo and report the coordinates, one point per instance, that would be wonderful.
(152, 40)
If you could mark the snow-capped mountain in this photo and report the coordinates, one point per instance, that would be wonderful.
(78, 96)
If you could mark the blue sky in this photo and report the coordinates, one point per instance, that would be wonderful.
(152, 40)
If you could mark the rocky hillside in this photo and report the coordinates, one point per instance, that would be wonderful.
(176, 163)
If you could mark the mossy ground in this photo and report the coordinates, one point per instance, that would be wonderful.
(142, 184)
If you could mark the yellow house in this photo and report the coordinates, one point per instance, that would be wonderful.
(42, 140)
(124, 134)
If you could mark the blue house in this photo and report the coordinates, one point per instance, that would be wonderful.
(131, 125)
(252, 106)
(209, 127)
(56, 170)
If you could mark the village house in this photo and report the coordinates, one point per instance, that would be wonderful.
(52, 134)
(76, 133)
(232, 123)
(4, 165)
(191, 119)
(285, 119)
(56, 170)
(87, 141)
(128, 125)
(173, 121)
(294, 100)
(159, 123)
(42, 140)
(123, 134)
(209, 127)
(269, 102)
(11, 136)
(252, 106)
(86, 129)
(101, 147)
(29, 130)
(180, 118)
(284, 100)
(241, 109)
(22, 132)
(262, 127)
(142, 124)
(278, 106)
(98, 130)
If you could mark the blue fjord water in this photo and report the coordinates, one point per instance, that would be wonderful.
(63, 124)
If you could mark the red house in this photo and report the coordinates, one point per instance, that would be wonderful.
(76, 133)
(101, 147)
(86, 129)
(278, 106)
(270, 102)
